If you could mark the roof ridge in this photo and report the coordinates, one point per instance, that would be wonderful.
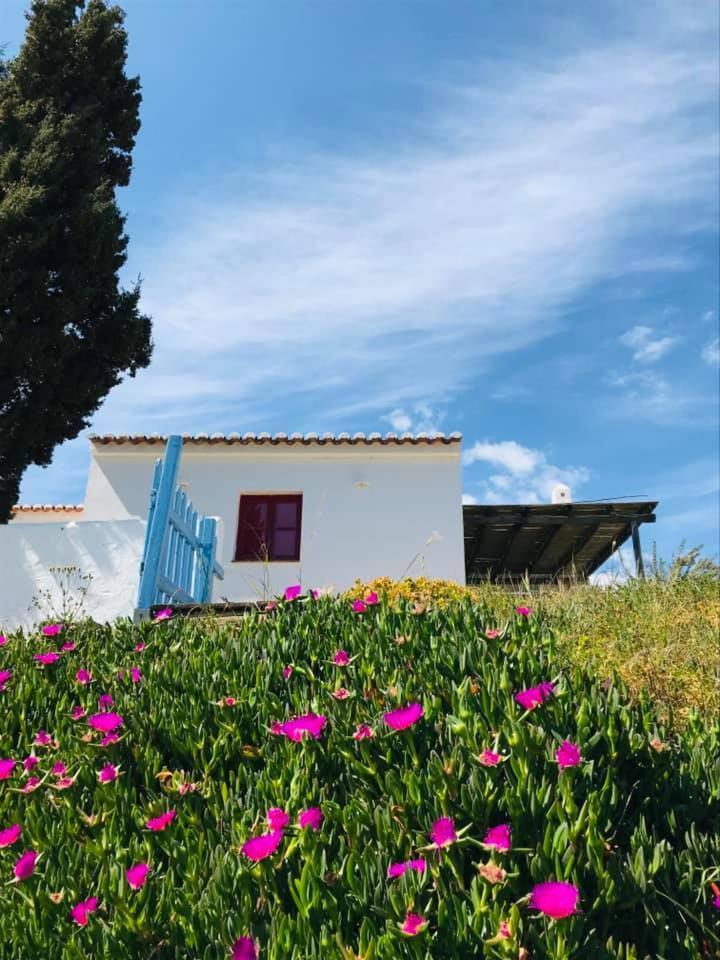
(307, 439)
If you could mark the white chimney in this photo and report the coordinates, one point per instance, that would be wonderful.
(561, 493)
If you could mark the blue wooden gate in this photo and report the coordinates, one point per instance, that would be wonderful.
(178, 563)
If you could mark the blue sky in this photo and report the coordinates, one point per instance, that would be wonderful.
(494, 218)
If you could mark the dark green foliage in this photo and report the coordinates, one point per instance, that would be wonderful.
(68, 332)
(635, 827)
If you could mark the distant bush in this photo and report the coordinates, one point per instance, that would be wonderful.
(394, 784)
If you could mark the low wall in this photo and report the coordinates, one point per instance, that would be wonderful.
(109, 551)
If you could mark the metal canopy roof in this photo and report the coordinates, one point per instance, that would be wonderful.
(546, 542)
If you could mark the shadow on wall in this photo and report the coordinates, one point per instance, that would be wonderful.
(105, 554)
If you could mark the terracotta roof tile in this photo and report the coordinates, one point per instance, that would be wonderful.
(307, 439)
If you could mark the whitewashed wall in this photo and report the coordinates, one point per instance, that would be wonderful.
(367, 511)
(110, 551)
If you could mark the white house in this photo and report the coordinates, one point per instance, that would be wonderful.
(323, 510)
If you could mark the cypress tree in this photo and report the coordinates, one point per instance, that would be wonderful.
(69, 116)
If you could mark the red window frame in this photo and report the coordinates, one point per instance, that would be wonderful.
(251, 538)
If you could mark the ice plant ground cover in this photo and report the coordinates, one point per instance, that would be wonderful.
(222, 806)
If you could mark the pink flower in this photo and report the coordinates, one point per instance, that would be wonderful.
(292, 593)
(489, 759)
(64, 783)
(135, 675)
(82, 910)
(108, 739)
(398, 869)
(568, 755)
(58, 769)
(277, 818)
(163, 614)
(311, 724)
(43, 739)
(716, 895)
(105, 722)
(105, 701)
(137, 875)
(341, 658)
(4, 677)
(52, 629)
(498, 838)
(29, 763)
(443, 832)
(413, 924)
(156, 824)
(372, 599)
(523, 611)
(359, 606)
(492, 633)
(3, 639)
(47, 658)
(68, 647)
(6, 769)
(245, 949)
(228, 702)
(258, 848)
(341, 693)
(556, 900)
(32, 783)
(108, 773)
(363, 732)
(312, 817)
(535, 696)
(25, 866)
(78, 712)
(404, 717)
(139, 647)
(270, 605)
(287, 672)
(418, 865)
(83, 676)
(504, 931)
(10, 835)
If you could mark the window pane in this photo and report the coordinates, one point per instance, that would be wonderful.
(285, 515)
(252, 529)
(284, 544)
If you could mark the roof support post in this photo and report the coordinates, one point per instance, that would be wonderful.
(639, 565)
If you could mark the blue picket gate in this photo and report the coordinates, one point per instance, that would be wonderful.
(178, 564)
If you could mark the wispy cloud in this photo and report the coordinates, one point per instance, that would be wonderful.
(420, 418)
(647, 395)
(711, 353)
(526, 475)
(646, 348)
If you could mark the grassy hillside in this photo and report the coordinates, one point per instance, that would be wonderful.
(203, 820)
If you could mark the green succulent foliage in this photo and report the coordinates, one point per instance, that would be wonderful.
(634, 827)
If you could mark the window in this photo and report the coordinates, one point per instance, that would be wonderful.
(269, 527)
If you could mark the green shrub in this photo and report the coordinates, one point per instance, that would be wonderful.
(634, 827)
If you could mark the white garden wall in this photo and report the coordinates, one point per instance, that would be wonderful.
(367, 510)
(110, 551)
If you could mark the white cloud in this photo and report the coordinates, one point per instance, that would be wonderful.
(711, 353)
(527, 476)
(646, 349)
(646, 395)
(468, 499)
(421, 418)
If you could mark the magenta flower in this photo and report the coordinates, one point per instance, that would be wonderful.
(137, 875)
(258, 848)
(163, 614)
(523, 611)
(105, 722)
(5, 675)
(372, 599)
(312, 818)
(52, 629)
(310, 724)
(341, 693)
(108, 739)
(32, 783)
(29, 763)
(3, 639)
(270, 605)
(489, 759)
(277, 818)
(418, 865)
(6, 769)
(413, 924)
(10, 835)
(58, 769)
(43, 739)
(504, 931)
(105, 701)
(556, 900)
(135, 675)
(341, 658)
(83, 676)
(535, 696)
(68, 647)
(398, 869)
(492, 633)
(716, 895)
(64, 783)
(292, 593)
(228, 702)
(499, 838)
(139, 647)
(245, 949)
(25, 866)
(443, 832)
(287, 672)
(404, 717)
(81, 911)
(359, 606)
(78, 712)
(47, 658)
(568, 755)
(108, 773)
(363, 732)
(156, 824)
